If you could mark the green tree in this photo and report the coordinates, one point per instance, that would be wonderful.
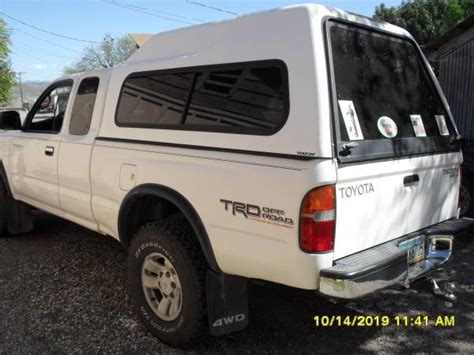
(110, 53)
(7, 76)
(426, 19)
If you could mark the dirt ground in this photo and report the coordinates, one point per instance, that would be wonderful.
(63, 290)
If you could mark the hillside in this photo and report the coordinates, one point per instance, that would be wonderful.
(31, 91)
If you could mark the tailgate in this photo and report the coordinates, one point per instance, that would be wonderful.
(380, 201)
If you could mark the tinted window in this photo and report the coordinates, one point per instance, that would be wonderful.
(381, 82)
(240, 98)
(251, 98)
(83, 108)
(48, 114)
(154, 100)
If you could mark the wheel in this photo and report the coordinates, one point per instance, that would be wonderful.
(465, 200)
(166, 272)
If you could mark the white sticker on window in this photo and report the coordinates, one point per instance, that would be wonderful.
(418, 125)
(387, 127)
(442, 126)
(351, 120)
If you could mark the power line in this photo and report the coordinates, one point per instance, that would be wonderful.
(49, 78)
(29, 49)
(27, 73)
(211, 7)
(46, 31)
(133, 8)
(22, 51)
(161, 12)
(39, 51)
(44, 40)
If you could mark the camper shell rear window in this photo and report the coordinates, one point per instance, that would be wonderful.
(386, 104)
(245, 98)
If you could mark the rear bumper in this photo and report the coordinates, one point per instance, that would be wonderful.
(387, 264)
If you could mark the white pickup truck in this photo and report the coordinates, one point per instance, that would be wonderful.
(304, 146)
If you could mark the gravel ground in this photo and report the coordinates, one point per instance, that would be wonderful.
(63, 290)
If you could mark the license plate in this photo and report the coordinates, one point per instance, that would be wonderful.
(415, 248)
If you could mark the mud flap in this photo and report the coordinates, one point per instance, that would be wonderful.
(19, 217)
(227, 303)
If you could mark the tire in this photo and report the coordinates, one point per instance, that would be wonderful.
(171, 249)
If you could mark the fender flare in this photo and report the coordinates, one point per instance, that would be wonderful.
(179, 201)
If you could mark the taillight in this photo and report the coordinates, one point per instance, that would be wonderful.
(318, 220)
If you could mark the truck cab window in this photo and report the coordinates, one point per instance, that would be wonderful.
(81, 115)
(48, 115)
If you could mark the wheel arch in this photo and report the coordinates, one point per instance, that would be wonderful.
(168, 195)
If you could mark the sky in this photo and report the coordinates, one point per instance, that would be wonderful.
(41, 55)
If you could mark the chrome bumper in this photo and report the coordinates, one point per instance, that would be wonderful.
(387, 265)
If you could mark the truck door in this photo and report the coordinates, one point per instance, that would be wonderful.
(34, 150)
(76, 150)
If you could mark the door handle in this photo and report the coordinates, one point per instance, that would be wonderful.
(411, 180)
(49, 151)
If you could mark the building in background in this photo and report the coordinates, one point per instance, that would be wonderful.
(31, 91)
(453, 54)
(140, 38)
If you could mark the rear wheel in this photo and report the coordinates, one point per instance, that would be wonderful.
(166, 272)
(162, 286)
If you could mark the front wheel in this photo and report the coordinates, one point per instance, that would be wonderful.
(166, 272)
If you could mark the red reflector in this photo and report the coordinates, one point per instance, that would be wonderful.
(317, 236)
(317, 220)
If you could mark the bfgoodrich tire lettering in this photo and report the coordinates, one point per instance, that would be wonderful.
(174, 240)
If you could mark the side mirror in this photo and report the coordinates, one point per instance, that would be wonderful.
(10, 120)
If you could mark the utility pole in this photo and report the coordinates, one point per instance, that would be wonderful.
(109, 50)
(21, 88)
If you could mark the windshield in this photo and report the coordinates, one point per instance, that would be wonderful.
(386, 100)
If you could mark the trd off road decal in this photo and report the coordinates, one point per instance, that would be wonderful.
(258, 213)
(356, 190)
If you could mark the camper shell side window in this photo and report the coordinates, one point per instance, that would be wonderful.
(244, 98)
